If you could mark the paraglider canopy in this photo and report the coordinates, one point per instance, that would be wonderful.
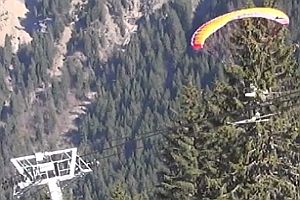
(204, 31)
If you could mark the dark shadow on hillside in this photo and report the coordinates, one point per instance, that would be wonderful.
(24, 55)
(30, 23)
(74, 136)
(202, 14)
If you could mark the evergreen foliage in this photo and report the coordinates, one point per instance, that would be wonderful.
(254, 161)
(118, 192)
(180, 154)
(135, 93)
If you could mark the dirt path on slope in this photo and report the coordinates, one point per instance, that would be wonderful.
(61, 52)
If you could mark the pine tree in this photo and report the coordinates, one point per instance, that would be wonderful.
(256, 160)
(180, 155)
(118, 192)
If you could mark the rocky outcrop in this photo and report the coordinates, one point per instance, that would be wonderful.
(11, 12)
(119, 34)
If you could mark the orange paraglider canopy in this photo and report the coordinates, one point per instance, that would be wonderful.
(204, 31)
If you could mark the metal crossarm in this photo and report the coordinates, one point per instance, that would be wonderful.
(49, 168)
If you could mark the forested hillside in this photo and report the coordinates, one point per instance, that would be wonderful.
(112, 78)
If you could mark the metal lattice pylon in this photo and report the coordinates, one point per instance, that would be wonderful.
(49, 168)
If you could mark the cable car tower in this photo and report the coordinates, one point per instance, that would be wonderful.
(49, 168)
